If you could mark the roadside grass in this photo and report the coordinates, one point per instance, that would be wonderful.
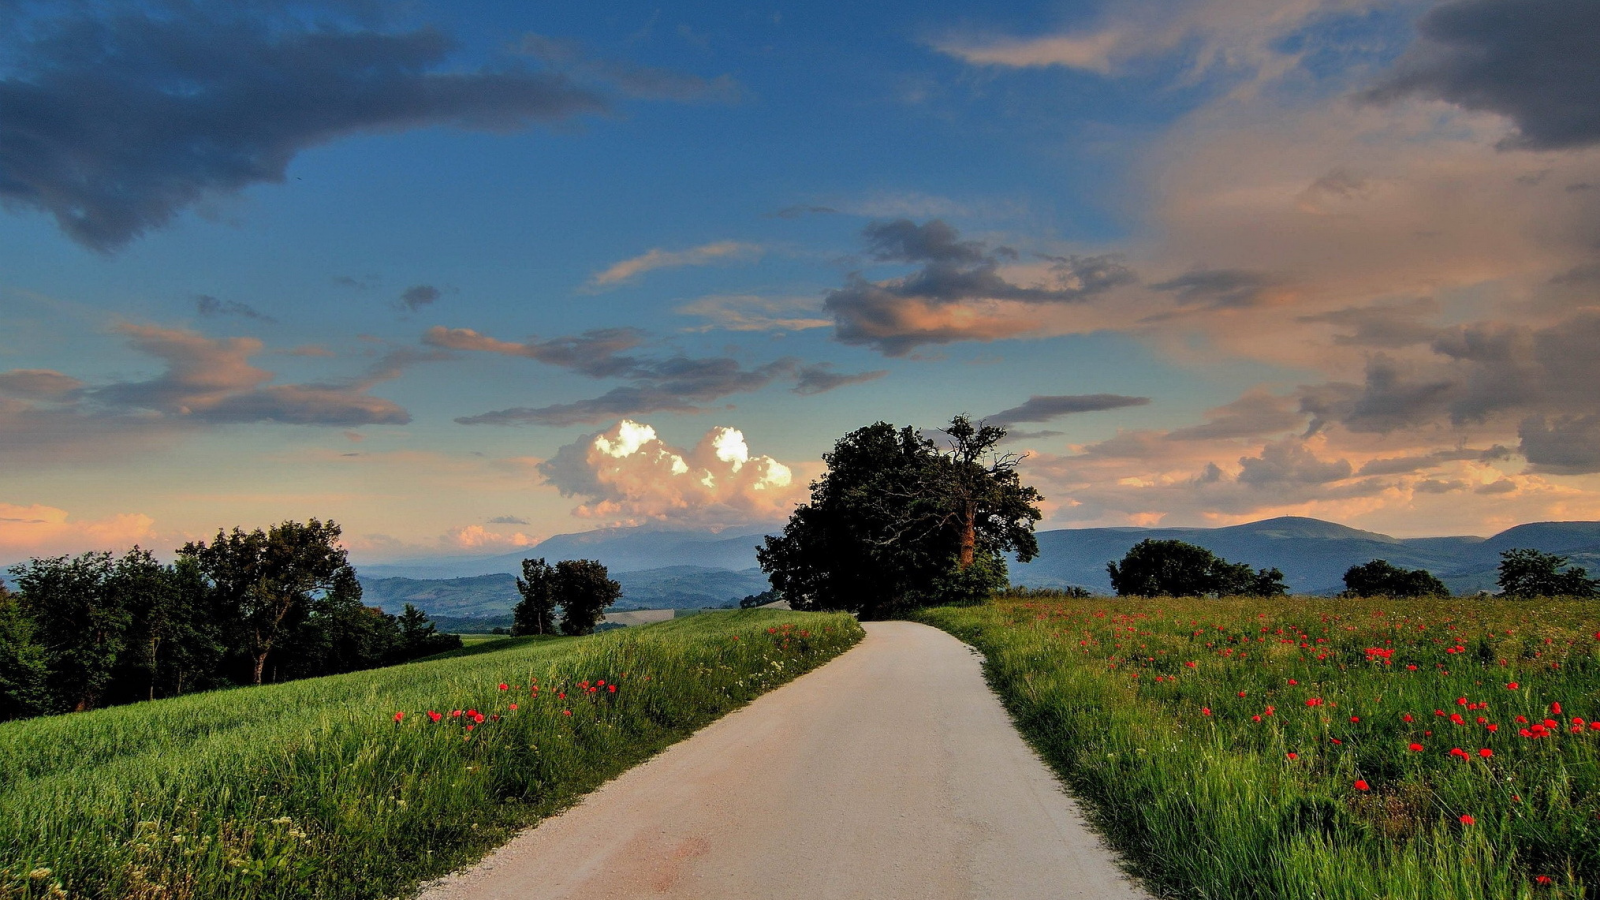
(314, 789)
(1313, 748)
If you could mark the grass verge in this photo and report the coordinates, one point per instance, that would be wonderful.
(348, 786)
(1305, 748)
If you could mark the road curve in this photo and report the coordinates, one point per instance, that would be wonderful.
(890, 772)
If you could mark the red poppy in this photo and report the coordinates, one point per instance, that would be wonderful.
(399, 715)
(1555, 709)
(504, 686)
(1293, 755)
(566, 712)
(1543, 879)
(1485, 753)
(513, 706)
(1355, 718)
(1416, 748)
(1512, 686)
(1361, 785)
(434, 716)
(1468, 820)
(1205, 710)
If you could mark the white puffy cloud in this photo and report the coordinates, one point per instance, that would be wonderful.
(628, 475)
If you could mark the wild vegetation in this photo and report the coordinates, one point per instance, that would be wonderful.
(274, 605)
(361, 785)
(1317, 748)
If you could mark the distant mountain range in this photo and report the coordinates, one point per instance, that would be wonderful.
(688, 569)
(482, 596)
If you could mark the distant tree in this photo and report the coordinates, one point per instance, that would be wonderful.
(1379, 578)
(24, 668)
(1530, 573)
(751, 601)
(267, 580)
(1153, 568)
(420, 637)
(584, 591)
(535, 613)
(896, 523)
(80, 622)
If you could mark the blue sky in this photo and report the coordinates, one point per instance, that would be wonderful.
(400, 267)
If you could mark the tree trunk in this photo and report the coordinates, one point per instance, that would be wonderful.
(261, 663)
(969, 536)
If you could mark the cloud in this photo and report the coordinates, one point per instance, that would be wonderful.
(593, 353)
(205, 382)
(1390, 324)
(1222, 288)
(1290, 462)
(629, 270)
(1568, 445)
(118, 120)
(417, 296)
(1255, 414)
(670, 385)
(1532, 61)
(645, 82)
(820, 378)
(477, 537)
(804, 209)
(39, 384)
(508, 520)
(1044, 408)
(628, 475)
(38, 530)
(957, 293)
(207, 305)
(748, 312)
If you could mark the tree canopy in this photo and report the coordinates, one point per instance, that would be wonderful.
(1153, 568)
(1380, 578)
(1530, 573)
(535, 613)
(896, 523)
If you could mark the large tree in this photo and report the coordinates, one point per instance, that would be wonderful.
(1381, 578)
(584, 589)
(80, 621)
(896, 523)
(1531, 573)
(268, 579)
(24, 669)
(535, 613)
(1153, 568)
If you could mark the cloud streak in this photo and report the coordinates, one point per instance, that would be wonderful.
(1044, 408)
(632, 269)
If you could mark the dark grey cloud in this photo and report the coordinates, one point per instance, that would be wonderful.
(507, 520)
(1407, 465)
(595, 353)
(1390, 325)
(1044, 408)
(1532, 61)
(893, 315)
(1221, 288)
(820, 378)
(1566, 445)
(417, 296)
(39, 384)
(207, 305)
(614, 404)
(116, 118)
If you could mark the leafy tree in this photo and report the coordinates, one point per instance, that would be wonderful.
(1530, 573)
(419, 637)
(1380, 578)
(536, 611)
(267, 580)
(584, 591)
(1153, 568)
(23, 666)
(751, 601)
(80, 622)
(895, 523)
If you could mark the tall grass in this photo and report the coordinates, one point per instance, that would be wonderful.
(1261, 748)
(313, 789)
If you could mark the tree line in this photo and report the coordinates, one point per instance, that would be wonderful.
(580, 589)
(245, 608)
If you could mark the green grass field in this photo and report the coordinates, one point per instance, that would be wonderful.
(347, 786)
(1315, 748)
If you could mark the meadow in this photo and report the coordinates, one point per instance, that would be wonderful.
(1316, 748)
(364, 785)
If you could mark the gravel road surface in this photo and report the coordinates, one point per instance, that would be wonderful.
(891, 772)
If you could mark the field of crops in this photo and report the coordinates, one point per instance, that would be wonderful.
(1315, 748)
(362, 785)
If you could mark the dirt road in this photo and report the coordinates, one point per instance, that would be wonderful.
(891, 772)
